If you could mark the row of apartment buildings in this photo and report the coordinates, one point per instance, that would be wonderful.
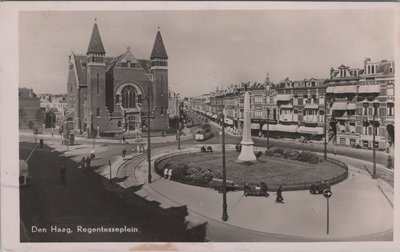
(347, 100)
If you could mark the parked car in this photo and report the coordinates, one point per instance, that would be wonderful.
(216, 183)
(319, 188)
(256, 190)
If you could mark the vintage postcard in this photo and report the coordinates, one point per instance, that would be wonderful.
(199, 126)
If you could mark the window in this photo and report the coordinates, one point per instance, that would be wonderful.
(390, 90)
(98, 112)
(258, 99)
(128, 97)
(373, 69)
(119, 124)
(258, 114)
(369, 69)
(162, 111)
(124, 64)
(117, 99)
(97, 83)
(390, 109)
(342, 141)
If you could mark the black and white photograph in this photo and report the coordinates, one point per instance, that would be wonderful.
(154, 127)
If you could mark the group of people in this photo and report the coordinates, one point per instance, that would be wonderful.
(206, 149)
(168, 173)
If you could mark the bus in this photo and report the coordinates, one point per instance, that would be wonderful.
(203, 133)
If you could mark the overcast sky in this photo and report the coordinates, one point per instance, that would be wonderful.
(208, 48)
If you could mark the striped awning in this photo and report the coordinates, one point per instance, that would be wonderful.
(339, 106)
(311, 130)
(369, 89)
(283, 97)
(255, 126)
(330, 89)
(286, 128)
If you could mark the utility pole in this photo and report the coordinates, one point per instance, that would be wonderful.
(268, 128)
(180, 125)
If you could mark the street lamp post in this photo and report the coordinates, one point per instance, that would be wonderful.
(148, 137)
(325, 131)
(179, 121)
(268, 128)
(375, 105)
(224, 205)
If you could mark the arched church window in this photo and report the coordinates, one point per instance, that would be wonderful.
(128, 97)
(117, 99)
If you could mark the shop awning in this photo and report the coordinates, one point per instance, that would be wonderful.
(271, 127)
(345, 89)
(311, 130)
(286, 128)
(228, 121)
(351, 106)
(369, 89)
(283, 97)
(311, 106)
(286, 106)
(339, 106)
(330, 89)
(255, 126)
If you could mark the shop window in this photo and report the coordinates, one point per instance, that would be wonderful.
(342, 141)
(98, 112)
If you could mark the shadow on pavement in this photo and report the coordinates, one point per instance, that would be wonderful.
(89, 200)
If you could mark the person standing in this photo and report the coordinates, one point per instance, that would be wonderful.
(88, 160)
(166, 173)
(169, 173)
(123, 153)
(279, 198)
(123, 139)
(63, 172)
(83, 163)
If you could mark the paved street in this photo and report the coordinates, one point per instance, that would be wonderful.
(89, 200)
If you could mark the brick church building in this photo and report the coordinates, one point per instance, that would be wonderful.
(110, 95)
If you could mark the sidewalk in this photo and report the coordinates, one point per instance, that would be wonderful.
(156, 139)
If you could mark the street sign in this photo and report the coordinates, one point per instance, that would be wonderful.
(327, 193)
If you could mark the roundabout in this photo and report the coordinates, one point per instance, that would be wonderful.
(359, 210)
(199, 168)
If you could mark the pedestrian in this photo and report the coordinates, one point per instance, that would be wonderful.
(63, 172)
(83, 163)
(166, 173)
(123, 139)
(279, 198)
(92, 155)
(123, 153)
(169, 173)
(88, 160)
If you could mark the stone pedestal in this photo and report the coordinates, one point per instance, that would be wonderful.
(247, 152)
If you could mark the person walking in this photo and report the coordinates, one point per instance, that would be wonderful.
(169, 173)
(88, 160)
(63, 172)
(123, 139)
(123, 153)
(166, 173)
(279, 198)
(83, 163)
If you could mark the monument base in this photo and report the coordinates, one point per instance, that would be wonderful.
(247, 153)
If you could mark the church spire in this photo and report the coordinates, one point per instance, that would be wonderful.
(95, 44)
(158, 48)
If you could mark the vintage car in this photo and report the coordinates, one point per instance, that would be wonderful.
(319, 187)
(216, 183)
(256, 190)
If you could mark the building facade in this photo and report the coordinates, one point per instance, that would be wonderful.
(30, 113)
(355, 103)
(111, 95)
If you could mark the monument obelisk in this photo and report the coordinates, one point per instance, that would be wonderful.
(247, 152)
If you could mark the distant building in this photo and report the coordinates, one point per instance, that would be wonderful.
(109, 94)
(30, 114)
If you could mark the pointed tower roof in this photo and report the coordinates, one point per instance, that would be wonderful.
(95, 44)
(158, 48)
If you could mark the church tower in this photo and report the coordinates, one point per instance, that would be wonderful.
(159, 71)
(96, 83)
